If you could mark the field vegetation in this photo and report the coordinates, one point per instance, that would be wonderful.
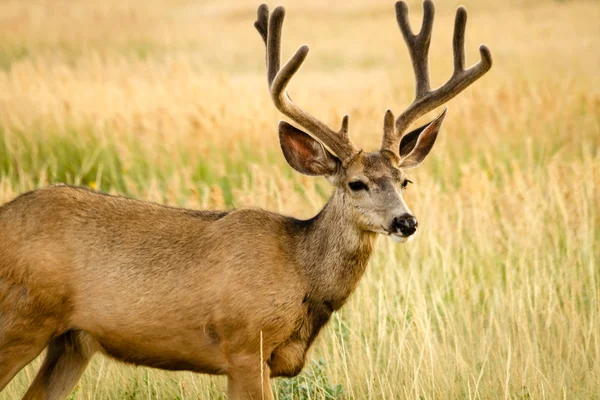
(499, 294)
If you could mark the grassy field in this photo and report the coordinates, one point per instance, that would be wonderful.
(498, 296)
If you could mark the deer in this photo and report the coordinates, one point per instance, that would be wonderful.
(242, 293)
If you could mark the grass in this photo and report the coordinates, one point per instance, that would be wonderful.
(498, 297)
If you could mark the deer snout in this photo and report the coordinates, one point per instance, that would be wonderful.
(405, 224)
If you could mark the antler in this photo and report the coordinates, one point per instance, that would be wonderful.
(270, 31)
(418, 47)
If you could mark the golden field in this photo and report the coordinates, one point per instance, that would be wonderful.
(499, 294)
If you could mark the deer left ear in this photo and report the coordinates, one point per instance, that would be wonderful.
(415, 145)
(305, 154)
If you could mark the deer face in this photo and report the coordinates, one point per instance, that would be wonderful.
(373, 187)
(371, 184)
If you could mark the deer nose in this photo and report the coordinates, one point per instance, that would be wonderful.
(405, 224)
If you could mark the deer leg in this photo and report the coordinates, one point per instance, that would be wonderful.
(20, 342)
(15, 357)
(246, 381)
(67, 357)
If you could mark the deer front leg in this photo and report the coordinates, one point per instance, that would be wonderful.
(66, 359)
(247, 380)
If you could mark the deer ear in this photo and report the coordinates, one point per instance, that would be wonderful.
(415, 145)
(305, 154)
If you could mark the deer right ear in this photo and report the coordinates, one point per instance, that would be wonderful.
(415, 145)
(305, 154)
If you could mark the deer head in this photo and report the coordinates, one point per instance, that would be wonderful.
(370, 183)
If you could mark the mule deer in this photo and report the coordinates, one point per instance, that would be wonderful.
(242, 293)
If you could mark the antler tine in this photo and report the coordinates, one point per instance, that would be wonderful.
(262, 21)
(418, 46)
(388, 123)
(270, 29)
(458, 41)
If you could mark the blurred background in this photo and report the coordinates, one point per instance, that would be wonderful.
(497, 297)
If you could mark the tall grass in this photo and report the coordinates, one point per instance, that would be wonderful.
(498, 297)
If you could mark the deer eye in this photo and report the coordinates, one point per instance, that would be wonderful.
(356, 186)
(405, 183)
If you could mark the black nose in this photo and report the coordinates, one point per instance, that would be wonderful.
(405, 224)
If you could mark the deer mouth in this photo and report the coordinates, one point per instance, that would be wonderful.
(398, 237)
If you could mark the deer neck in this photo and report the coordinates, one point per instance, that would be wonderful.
(333, 252)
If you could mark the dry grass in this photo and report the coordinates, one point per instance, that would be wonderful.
(499, 295)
